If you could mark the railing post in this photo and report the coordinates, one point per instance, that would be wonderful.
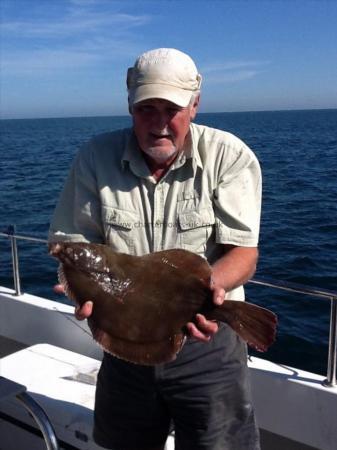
(15, 260)
(41, 419)
(332, 358)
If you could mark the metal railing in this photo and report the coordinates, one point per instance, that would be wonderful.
(281, 285)
(41, 419)
(10, 388)
(321, 293)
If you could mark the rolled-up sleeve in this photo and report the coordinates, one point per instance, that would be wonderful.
(237, 200)
(77, 216)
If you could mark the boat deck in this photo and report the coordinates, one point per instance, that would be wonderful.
(269, 441)
(9, 346)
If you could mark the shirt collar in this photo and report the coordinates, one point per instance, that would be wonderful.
(193, 151)
(132, 156)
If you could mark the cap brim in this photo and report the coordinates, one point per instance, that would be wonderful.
(180, 97)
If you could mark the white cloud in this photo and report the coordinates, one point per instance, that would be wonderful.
(232, 71)
(73, 25)
(232, 76)
(40, 62)
(45, 61)
(83, 2)
(78, 37)
(231, 65)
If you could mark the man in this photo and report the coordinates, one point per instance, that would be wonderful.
(168, 183)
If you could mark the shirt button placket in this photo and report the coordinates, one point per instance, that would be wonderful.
(158, 217)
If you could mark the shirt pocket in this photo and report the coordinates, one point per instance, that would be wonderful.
(119, 228)
(195, 228)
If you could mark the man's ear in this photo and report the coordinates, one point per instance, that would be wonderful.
(194, 107)
(130, 108)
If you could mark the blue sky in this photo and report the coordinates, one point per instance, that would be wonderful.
(66, 58)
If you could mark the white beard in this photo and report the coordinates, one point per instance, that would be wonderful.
(160, 155)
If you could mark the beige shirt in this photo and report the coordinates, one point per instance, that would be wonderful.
(210, 195)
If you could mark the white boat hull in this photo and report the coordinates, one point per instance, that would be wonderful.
(294, 409)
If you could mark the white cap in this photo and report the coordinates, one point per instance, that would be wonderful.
(163, 73)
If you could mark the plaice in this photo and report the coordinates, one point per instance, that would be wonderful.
(141, 304)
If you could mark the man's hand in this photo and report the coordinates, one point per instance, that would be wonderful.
(81, 312)
(230, 271)
(84, 311)
(204, 329)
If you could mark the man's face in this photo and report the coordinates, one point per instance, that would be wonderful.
(161, 127)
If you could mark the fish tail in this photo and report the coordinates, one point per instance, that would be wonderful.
(255, 325)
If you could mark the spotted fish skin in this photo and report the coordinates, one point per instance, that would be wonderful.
(141, 304)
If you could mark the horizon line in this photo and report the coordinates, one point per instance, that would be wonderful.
(199, 113)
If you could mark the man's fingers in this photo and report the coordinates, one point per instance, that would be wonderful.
(219, 296)
(193, 331)
(206, 326)
(84, 311)
(203, 330)
(59, 289)
(81, 312)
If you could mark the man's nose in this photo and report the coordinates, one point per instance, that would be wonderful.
(161, 120)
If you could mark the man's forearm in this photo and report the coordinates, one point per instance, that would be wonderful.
(235, 267)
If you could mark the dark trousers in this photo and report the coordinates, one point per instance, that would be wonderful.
(205, 393)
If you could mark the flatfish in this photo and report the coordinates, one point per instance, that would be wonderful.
(141, 304)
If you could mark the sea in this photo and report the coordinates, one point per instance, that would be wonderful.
(298, 155)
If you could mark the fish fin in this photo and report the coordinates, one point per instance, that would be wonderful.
(148, 354)
(255, 325)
